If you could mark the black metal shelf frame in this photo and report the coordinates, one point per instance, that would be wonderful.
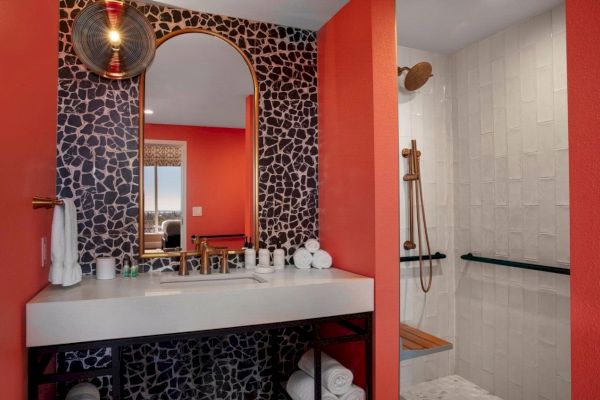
(39, 358)
(515, 264)
(436, 256)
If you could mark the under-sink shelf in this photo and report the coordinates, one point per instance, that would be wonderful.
(415, 343)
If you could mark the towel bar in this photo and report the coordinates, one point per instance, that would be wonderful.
(45, 202)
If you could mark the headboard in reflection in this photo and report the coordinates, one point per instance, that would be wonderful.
(198, 146)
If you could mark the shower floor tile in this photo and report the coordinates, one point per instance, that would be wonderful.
(451, 387)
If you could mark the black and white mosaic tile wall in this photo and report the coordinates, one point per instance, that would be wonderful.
(97, 166)
(97, 160)
(196, 369)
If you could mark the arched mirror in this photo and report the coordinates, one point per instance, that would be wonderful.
(198, 146)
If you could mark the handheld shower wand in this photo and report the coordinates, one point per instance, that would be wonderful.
(415, 190)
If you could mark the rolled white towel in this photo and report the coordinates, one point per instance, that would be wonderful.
(322, 259)
(312, 245)
(300, 386)
(83, 391)
(335, 377)
(302, 258)
(355, 393)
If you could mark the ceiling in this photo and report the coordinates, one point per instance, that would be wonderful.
(446, 26)
(200, 80)
(306, 14)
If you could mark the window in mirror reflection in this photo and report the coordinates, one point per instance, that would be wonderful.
(164, 169)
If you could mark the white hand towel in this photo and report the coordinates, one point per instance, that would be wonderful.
(355, 393)
(335, 377)
(312, 245)
(302, 258)
(300, 386)
(322, 259)
(65, 269)
(57, 246)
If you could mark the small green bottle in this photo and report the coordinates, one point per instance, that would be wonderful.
(134, 270)
(126, 266)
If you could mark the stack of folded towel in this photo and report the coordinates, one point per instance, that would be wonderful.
(311, 254)
(335, 378)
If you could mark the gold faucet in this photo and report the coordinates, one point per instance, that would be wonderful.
(205, 251)
(183, 266)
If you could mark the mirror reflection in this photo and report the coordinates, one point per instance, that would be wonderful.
(198, 146)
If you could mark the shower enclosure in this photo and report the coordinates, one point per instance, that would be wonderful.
(491, 125)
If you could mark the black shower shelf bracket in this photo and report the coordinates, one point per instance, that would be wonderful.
(436, 256)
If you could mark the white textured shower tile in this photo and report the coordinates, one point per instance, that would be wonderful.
(498, 83)
(474, 135)
(547, 249)
(485, 62)
(529, 127)
(473, 91)
(547, 201)
(501, 231)
(501, 190)
(514, 144)
(530, 179)
(545, 94)
(561, 125)
(543, 52)
(547, 316)
(501, 375)
(562, 177)
(487, 157)
(530, 232)
(515, 206)
(511, 40)
(527, 73)
(546, 155)
(513, 102)
(500, 139)
(559, 63)
(486, 109)
(475, 173)
(562, 234)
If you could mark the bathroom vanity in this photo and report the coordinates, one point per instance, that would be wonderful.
(160, 306)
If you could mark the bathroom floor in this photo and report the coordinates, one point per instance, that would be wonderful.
(451, 387)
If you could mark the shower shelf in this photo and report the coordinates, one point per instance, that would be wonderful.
(436, 256)
(415, 343)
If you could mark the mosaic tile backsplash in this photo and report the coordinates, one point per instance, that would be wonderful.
(97, 134)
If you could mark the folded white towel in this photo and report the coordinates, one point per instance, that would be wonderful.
(322, 259)
(302, 258)
(335, 377)
(355, 393)
(312, 245)
(65, 269)
(300, 386)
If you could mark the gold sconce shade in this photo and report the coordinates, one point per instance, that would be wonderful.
(114, 39)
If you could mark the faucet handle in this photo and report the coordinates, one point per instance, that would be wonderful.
(224, 268)
(183, 267)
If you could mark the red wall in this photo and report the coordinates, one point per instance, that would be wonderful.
(358, 165)
(215, 177)
(583, 58)
(27, 168)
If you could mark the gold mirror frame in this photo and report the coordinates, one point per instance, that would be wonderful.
(142, 100)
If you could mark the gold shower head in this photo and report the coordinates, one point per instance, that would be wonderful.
(417, 76)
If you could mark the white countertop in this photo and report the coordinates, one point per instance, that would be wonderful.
(121, 308)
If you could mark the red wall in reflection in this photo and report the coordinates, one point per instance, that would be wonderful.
(215, 177)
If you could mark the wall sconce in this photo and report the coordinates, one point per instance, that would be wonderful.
(114, 39)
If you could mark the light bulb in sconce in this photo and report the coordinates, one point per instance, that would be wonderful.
(148, 112)
(114, 37)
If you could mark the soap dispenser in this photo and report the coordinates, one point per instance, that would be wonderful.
(279, 257)
(250, 255)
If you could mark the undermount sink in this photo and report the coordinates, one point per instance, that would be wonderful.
(196, 280)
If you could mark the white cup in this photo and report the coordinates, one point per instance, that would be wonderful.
(105, 268)
(264, 258)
